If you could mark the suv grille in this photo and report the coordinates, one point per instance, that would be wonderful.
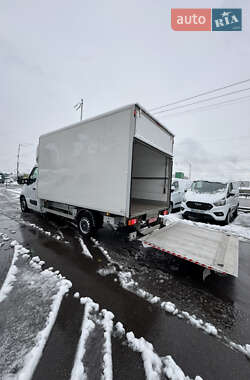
(199, 205)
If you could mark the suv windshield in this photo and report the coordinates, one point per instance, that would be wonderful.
(208, 187)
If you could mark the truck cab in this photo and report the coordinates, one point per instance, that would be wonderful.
(29, 194)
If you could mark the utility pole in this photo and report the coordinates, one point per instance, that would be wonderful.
(190, 169)
(18, 156)
(17, 164)
(79, 106)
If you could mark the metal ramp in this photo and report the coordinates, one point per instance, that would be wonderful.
(211, 249)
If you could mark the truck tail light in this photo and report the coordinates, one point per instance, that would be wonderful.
(165, 212)
(131, 222)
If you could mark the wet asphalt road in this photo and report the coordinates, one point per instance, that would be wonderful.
(225, 302)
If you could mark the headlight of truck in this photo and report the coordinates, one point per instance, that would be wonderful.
(221, 202)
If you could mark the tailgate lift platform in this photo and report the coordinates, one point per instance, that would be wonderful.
(212, 249)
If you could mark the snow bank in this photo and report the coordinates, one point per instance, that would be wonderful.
(11, 276)
(32, 358)
(85, 250)
(152, 362)
(242, 220)
(78, 371)
(57, 236)
(27, 279)
(173, 371)
(244, 349)
(107, 271)
(119, 330)
(104, 251)
(107, 324)
(128, 283)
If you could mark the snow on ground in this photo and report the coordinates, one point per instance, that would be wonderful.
(85, 250)
(78, 371)
(155, 367)
(127, 282)
(15, 191)
(239, 227)
(57, 236)
(29, 306)
(11, 275)
(107, 323)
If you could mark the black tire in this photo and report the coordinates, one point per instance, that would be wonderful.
(236, 212)
(86, 223)
(23, 204)
(170, 209)
(228, 218)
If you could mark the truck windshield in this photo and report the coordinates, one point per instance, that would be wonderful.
(208, 187)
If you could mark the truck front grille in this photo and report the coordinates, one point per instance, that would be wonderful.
(199, 205)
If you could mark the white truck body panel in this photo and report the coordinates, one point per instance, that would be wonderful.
(90, 164)
(212, 249)
(156, 137)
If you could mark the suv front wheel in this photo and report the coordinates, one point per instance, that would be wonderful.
(229, 217)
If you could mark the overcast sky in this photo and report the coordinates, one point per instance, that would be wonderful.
(112, 53)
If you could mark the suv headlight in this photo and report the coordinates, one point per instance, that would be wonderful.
(221, 202)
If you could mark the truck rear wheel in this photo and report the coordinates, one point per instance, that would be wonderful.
(86, 223)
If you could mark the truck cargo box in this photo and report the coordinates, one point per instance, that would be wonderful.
(119, 162)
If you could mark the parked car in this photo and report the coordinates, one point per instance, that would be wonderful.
(178, 189)
(214, 201)
(2, 178)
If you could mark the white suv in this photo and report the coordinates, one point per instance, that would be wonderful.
(217, 201)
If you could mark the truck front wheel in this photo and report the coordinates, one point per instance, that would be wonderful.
(86, 223)
(23, 204)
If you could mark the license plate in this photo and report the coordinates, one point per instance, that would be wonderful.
(197, 211)
(152, 220)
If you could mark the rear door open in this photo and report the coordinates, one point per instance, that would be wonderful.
(150, 180)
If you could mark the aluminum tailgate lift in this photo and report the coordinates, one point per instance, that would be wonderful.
(212, 249)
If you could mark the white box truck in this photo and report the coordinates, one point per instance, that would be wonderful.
(117, 168)
(114, 168)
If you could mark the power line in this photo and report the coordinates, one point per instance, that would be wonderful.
(216, 140)
(209, 106)
(201, 94)
(203, 100)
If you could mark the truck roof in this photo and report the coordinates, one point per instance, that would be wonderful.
(112, 112)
